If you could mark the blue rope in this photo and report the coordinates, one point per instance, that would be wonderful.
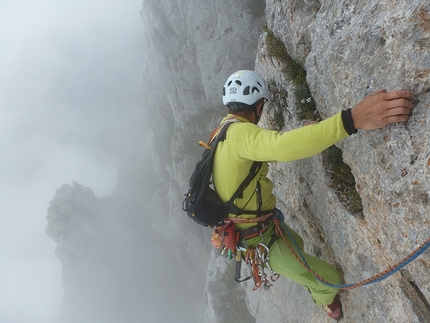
(374, 279)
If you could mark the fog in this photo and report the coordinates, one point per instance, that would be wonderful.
(89, 233)
(70, 83)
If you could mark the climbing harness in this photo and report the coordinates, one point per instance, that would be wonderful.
(280, 228)
(257, 258)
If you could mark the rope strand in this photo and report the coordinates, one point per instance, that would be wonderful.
(371, 280)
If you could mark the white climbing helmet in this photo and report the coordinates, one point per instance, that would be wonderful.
(245, 87)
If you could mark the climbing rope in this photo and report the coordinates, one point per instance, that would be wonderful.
(279, 228)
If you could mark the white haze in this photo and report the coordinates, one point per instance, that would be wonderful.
(69, 73)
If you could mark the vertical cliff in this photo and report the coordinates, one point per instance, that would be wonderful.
(349, 49)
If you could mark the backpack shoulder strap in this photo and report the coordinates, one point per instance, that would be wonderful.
(220, 133)
(253, 171)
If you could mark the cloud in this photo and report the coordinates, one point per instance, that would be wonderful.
(69, 82)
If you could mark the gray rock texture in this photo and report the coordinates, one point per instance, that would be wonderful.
(350, 49)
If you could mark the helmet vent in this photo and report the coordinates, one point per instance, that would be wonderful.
(245, 87)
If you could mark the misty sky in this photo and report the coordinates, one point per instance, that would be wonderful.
(69, 72)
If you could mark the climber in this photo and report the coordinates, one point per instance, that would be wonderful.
(245, 94)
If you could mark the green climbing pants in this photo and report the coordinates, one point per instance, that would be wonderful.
(283, 262)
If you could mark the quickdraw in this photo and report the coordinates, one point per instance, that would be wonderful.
(257, 258)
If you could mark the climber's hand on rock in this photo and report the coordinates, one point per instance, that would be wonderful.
(382, 108)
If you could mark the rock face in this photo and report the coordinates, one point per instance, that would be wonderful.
(348, 49)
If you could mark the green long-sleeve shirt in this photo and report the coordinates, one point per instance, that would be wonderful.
(246, 142)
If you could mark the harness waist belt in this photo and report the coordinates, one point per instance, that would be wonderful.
(255, 230)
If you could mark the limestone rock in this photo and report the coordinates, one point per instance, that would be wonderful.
(356, 48)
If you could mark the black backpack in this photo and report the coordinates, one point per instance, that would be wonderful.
(201, 202)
